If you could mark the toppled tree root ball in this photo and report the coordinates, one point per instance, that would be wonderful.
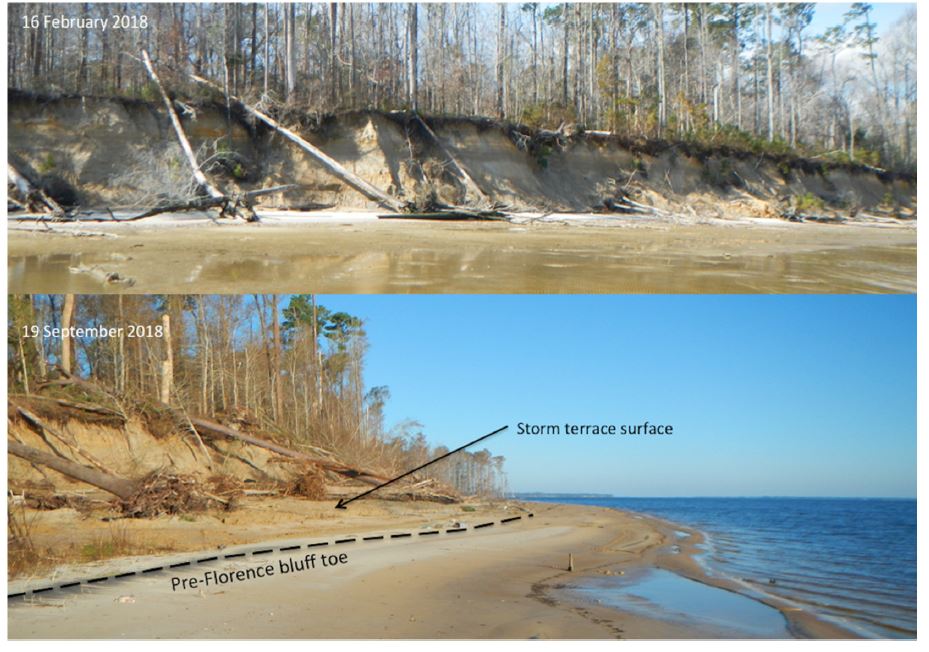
(166, 494)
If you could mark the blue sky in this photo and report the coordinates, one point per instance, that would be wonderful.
(884, 14)
(769, 395)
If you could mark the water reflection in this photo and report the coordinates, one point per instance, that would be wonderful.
(473, 269)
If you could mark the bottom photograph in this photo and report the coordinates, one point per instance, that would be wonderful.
(461, 467)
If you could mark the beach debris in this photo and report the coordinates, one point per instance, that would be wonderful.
(165, 493)
(309, 484)
(103, 276)
(32, 195)
(452, 214)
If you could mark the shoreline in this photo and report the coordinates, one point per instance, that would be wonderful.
(800, 623)
(498, 582)
(354, 252)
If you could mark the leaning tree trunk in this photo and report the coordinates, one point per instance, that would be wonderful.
(329, 164)
(202, 182)
(211, 429)
(119, 487)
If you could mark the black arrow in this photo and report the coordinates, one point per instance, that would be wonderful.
(343, 503)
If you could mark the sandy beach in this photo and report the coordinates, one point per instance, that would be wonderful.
(507, 580)
(357, 253)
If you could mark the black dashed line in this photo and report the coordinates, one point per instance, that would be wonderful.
(401, 535)
(531, 514)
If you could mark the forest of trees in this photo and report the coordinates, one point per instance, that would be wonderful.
(286, 364)
(732, 73)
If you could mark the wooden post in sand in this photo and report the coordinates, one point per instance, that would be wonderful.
(570, 563)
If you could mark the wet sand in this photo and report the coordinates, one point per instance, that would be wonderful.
(505, 581)
(356, 253)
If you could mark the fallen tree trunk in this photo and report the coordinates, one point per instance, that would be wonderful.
(202, 182)
(42, 428)
(451, 215)
(329, 164)
(210, 428)
(119, 487)
(469, 181)
(230, 205)
(33, 195)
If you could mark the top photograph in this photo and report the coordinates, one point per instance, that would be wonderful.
(675, 148)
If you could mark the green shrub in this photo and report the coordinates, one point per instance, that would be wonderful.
(47, 164)
(149, 92)
(786, 170)
(808, 202)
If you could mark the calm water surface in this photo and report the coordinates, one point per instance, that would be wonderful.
(852, 561)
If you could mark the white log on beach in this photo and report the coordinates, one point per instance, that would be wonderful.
(329, 164)
(30, 192)
(18, 180)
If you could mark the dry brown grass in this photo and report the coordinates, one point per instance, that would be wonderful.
(26, 558)
(22, 554)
